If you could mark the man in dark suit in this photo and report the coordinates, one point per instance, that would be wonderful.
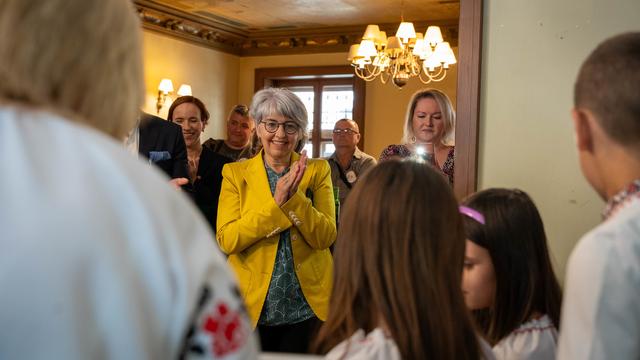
(162, 143)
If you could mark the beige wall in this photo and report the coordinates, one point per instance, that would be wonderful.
(213, 77)
(385, 104)
(532, 50)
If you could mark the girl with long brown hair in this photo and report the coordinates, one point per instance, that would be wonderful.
(398, 267)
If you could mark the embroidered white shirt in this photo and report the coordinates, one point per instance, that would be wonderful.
(100, 258)
(535, 339)
(601, 307)
(378, 346)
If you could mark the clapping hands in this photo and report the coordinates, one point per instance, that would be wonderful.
(288, 184)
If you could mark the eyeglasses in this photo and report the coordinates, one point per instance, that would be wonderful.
(344, 131)
(272, 126)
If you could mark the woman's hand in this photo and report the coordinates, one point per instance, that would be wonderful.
(288, 184)
(300, 167)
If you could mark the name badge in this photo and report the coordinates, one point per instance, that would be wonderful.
(351, 176)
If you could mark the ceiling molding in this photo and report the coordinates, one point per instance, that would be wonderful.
(223, 37)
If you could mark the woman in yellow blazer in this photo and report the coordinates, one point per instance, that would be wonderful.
(276, 221)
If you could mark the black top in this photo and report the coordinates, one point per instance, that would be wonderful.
(206, 188)
(162, 142)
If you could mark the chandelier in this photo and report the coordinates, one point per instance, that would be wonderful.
(401, 57)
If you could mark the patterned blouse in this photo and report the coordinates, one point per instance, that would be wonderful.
(402, 151)
(285, 303)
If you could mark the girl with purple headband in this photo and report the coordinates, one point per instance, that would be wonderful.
(508, 281)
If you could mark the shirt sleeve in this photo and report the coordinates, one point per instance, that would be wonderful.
(600, 315)
(219, 327)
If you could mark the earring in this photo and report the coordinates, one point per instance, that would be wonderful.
(413, 139)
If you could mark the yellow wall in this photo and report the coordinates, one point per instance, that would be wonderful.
(531, 53)
(213, 76)
(221, 80)
(385, 104)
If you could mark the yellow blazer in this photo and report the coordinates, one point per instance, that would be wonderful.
(250, 221)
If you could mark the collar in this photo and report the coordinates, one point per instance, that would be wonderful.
(356, 154)
(259, 161)
(619, 200)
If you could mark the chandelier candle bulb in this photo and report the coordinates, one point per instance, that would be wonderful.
(381, 40)
(433, 36)
(371, 33)
(367, 49)
(448, 55)
(406, 32)
(353, 52)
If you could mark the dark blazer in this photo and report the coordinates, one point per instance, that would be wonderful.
(162, 143)
(206, 188)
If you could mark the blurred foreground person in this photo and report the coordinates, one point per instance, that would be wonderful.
(101, 258)
(601, 312)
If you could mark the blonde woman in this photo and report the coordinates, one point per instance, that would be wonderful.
(428, 132)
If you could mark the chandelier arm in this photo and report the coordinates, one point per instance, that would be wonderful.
(382, 77)
(423, 80)
(436, 74)
(442, 74)
(361, 73)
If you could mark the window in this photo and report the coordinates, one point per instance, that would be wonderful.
(329, 94)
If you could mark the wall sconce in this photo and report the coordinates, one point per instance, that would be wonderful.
(165, 87)
(184, 90)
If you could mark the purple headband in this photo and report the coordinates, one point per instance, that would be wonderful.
(474, 214)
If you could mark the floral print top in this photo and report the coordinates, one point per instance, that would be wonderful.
(402, 151)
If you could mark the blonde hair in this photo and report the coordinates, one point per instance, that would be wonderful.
(79, 58)
(446, 108)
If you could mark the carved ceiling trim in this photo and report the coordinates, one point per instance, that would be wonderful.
(215, 35)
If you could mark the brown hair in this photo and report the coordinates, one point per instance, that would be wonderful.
(607, 84)
(240, 109)
(79, 58)
(514, 236)
(204, 114)
(398, 262)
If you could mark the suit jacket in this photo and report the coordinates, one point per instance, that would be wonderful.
(250, 223)
(162, 143)
(206, 188)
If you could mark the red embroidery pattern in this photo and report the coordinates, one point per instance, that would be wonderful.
(226, 330)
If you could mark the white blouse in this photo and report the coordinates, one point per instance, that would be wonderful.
(535, 339)
(379, 346)
(374, 346)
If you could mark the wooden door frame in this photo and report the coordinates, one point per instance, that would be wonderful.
(468, 97)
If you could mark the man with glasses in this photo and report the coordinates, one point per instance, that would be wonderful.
(348, 163)
(240, 128)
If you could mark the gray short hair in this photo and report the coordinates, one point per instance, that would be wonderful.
(282, 102)
(80, 58)
(448, 115)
